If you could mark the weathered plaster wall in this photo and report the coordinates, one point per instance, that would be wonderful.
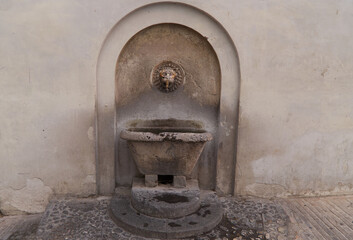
(47, 89)
(296, 104)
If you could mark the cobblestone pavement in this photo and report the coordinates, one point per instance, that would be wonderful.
(319, 218)
(249, 218)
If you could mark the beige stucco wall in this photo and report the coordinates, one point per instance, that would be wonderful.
(296, 105)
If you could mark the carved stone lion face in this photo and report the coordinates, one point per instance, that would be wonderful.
(167, 76)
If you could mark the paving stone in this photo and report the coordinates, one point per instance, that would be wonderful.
(19, 227)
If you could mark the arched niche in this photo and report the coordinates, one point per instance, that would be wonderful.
(196, 100)
(118, 37)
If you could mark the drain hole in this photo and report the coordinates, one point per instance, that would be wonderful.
(172, 198)
(165, 179)
(173, 224)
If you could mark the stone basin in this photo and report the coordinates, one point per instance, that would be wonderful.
(166, 147)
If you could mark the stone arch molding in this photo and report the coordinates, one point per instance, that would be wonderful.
(127, 27)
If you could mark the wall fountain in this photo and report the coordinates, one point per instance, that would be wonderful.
(167, 105)
(188, 40)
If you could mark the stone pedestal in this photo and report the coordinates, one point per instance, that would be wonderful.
(205, 218)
